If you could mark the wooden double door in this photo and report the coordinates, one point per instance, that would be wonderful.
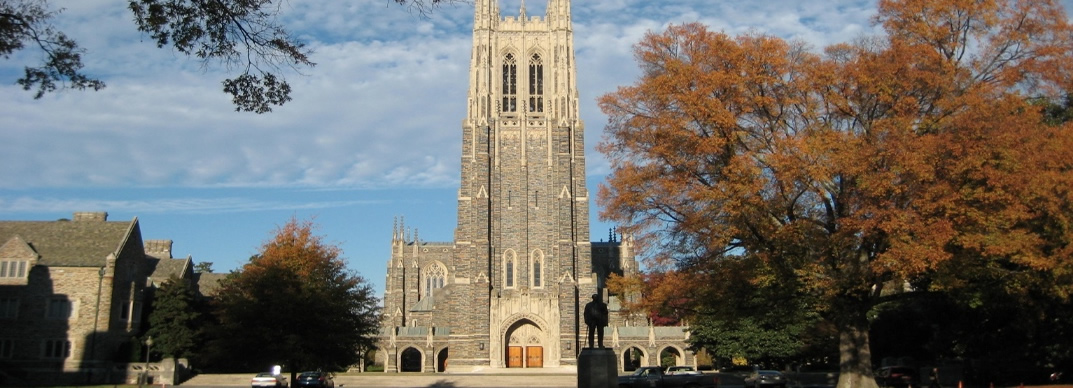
(525, 357)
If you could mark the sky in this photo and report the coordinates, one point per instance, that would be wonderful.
(373, 132)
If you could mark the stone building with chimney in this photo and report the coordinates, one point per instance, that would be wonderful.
(73, 295)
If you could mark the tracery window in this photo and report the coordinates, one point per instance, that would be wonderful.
(537, 274)
(433, 277)
(510, 84)
(536, 84)
(510, 273)
(510, 268)
(536, 270)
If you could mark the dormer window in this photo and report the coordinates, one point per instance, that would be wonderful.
(13, 269)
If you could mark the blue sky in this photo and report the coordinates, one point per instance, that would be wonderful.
(373, 132)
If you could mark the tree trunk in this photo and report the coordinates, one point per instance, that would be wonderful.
(855, 355)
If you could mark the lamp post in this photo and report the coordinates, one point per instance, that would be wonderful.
(145, 371)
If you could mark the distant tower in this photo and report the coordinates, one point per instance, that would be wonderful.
(521, 263)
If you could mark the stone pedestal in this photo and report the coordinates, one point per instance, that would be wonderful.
(597, 368)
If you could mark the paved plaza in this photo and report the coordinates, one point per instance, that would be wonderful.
(411, 380)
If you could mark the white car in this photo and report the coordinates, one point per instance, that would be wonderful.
(682, 370)
(266, 379)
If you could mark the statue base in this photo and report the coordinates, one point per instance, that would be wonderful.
(597, 368)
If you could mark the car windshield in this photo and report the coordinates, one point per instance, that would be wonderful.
(311, 375)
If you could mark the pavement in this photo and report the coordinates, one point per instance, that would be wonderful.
(546, 379)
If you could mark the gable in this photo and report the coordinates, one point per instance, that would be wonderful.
(17, 248)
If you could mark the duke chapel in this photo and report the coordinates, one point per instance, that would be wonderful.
(509, 290)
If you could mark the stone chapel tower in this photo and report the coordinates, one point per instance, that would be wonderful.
(508, 291)
(522, 241)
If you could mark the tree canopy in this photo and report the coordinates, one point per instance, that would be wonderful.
(915, 162)
(176, 321)
(297, 304)
(243, 35)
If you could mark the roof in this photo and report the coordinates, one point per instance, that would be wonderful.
(70, 243)
(162, 269)
(208, 284)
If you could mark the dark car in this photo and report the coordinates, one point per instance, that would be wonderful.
(766, 378)
(896, 376)
(315, 379)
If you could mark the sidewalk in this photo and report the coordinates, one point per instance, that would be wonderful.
(528, 378)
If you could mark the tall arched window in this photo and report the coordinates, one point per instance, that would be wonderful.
(510, 84)
(536, 84)
(510, 273)
(537, 281)
(433, 277)
(510, 268)
(536, 270)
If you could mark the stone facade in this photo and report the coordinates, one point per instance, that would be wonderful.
(508, 291)
(72, 294)
(79, 302)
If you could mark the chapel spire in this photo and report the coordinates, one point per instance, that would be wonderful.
(558, 14)
(485, 14)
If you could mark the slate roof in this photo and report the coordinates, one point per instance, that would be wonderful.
(208, 284)
(162, 268)
(70, 243)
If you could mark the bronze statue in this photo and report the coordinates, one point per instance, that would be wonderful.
(596, 319)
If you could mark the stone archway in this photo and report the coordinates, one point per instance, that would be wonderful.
(441, 360)
(633, 358)
(525, 345)
(671, 356)
(411, 360)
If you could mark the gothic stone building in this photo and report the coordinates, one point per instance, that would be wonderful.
(72, 294)
(508, 291)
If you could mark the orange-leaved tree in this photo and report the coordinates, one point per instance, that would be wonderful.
(296, 303)
(838, 177)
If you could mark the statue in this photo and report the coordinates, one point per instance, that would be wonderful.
(596, 319)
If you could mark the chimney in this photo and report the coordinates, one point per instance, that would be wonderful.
(91, 216)
(158, 248)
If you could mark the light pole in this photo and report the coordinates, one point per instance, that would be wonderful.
(145, 371)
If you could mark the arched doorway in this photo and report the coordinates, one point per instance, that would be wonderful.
(525, 345)
(441, 360)
(670, 356)
(410, 360)
(632, 358)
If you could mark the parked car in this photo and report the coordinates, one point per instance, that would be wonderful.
(653, 377)
(266, 379)
(766, 378)
(896, 376)
(315, 380)
(682, 370)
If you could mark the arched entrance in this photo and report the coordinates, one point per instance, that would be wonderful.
(525, 345)
(410, 360)
(632, 358)
(670, 356)
(441, 360)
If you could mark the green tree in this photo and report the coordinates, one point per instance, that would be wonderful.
(827, 182)
(237, 34)
(296, 303)
(203, 267)
(175, 320)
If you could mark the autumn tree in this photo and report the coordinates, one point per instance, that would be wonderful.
(824, 183)
(296, 303)
(235, 34)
